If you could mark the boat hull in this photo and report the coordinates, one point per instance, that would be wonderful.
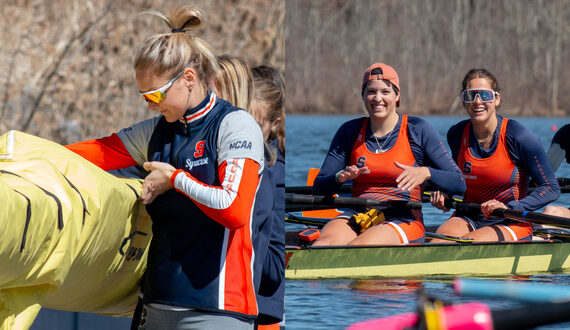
(482, 259)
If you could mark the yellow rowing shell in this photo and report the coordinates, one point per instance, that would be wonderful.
(74, 237)
(457, 259)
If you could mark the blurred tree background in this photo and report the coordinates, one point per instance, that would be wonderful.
(431, 44)
(66, 65)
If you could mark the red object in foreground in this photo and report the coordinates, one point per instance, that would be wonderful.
(471, 316)
(310, 234)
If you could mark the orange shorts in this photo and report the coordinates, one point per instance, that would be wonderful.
(408, 231)
(517, 231)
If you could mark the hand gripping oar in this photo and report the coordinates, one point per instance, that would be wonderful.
(298, 202)
(526, 216)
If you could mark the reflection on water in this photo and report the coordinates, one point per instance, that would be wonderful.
(386, 286)
(338, 303)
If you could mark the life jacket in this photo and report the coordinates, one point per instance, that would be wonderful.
(495, 177)
(194, 261)
(380, 183)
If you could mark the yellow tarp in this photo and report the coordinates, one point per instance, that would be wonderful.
(72, 237)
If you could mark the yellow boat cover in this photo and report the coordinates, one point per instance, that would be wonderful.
(73, 237)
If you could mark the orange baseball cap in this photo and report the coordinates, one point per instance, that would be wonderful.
(384, 72)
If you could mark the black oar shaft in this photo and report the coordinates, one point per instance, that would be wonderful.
(307, 190)
(537, 218)
(347, 188)
(530, 316)
(327, 202)
(464, 207)
(528, 216)
(308, 207)
(318, 222)
(344, 189)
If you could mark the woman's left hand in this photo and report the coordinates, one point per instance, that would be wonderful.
(438, 199)
(491, 205)
(157, 182)
(412, 176)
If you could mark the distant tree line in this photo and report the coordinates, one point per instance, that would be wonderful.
(66, 65)
(431, 44)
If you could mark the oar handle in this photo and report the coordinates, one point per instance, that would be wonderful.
(464, 207)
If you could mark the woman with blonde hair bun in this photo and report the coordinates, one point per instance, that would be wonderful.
(199, 271)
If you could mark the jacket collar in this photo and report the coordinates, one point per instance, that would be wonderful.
(201, 110)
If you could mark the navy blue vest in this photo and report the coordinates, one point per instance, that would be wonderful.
(184, 256)
(270, 242)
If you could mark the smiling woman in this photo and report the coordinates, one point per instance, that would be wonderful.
(387, 156)
(496, 155)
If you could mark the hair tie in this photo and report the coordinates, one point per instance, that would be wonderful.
(177, 30)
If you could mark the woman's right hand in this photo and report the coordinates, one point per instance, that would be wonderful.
(351, 173)
(437, 199)
(157, 182)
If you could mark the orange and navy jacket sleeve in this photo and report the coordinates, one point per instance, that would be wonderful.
(231, 203)
(109, 153)
(527, 152)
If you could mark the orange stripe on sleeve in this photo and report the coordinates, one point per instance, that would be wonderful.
(109, 153)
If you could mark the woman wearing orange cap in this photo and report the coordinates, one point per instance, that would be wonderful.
(496, 155)
(388, 156)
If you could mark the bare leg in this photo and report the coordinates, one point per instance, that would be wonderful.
(379, 234)
(336, 232)
(491, 234)
(558, 211)
(452, 227)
